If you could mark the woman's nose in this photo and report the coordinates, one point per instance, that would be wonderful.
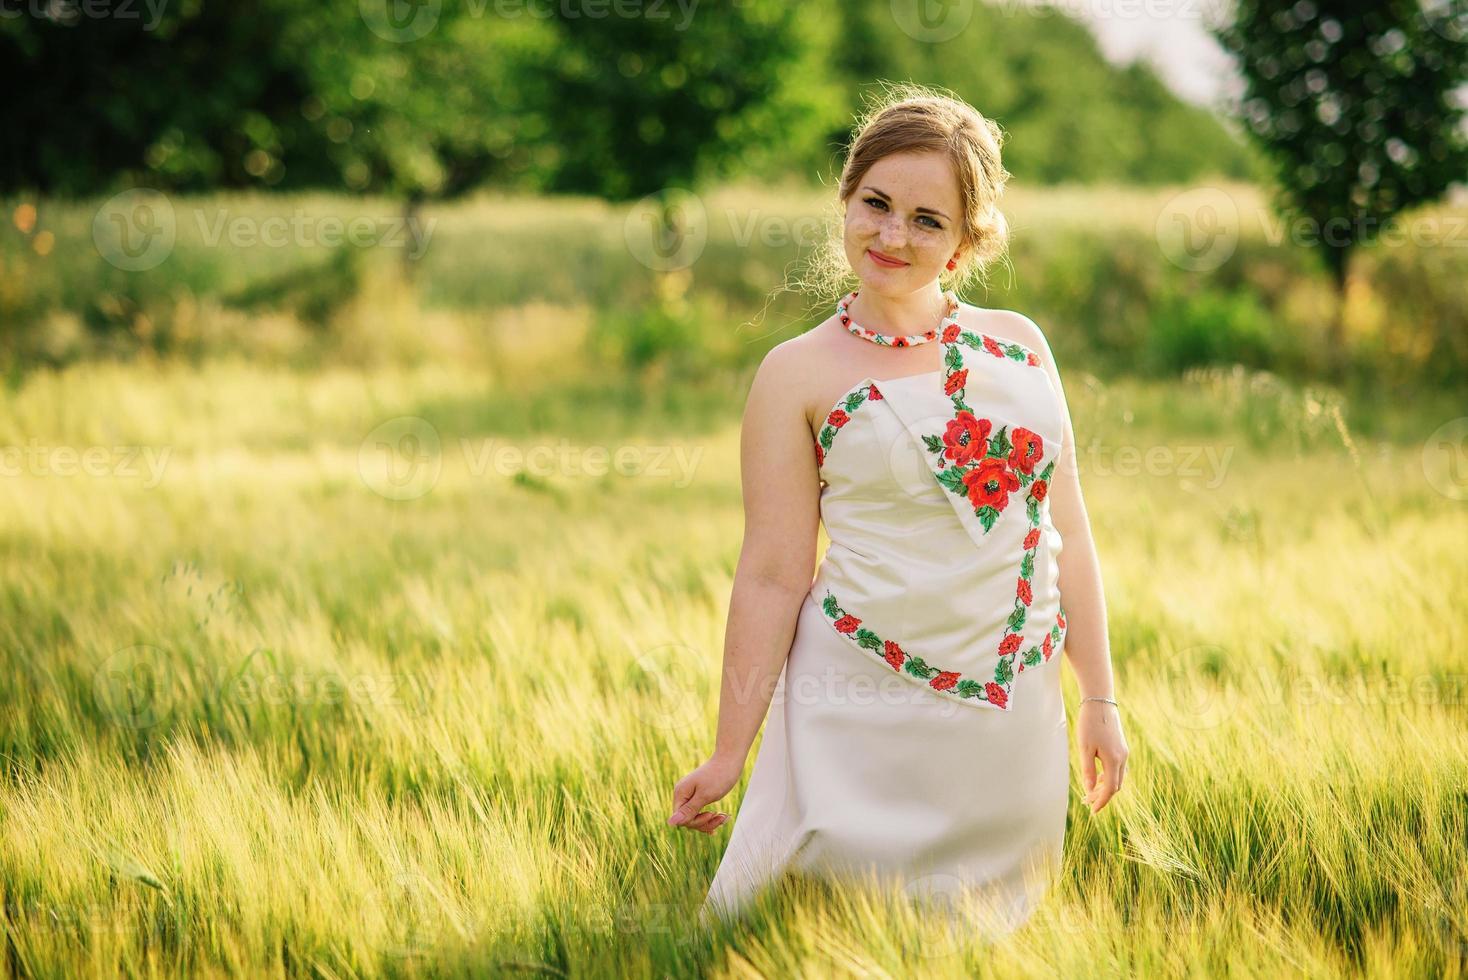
(893, 231)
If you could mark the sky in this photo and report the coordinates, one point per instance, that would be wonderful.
(1171, 35)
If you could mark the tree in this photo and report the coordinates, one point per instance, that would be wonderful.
(1358, 107)
(666, 97)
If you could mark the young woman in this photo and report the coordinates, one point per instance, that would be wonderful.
(918, 730)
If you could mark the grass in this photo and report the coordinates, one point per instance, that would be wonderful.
(323, 693)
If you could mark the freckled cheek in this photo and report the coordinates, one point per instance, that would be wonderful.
(859, 227)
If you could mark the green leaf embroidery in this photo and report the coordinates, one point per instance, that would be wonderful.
(917, 668)
(999, 444)
(1004, 671)
(952, 478)
(1027, 565)
(987, 516)
(1017, 618)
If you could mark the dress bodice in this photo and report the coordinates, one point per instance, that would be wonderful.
(943, 558)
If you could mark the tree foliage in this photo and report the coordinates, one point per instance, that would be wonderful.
(1358, 107)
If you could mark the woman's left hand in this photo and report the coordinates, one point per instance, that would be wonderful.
(1099, 734)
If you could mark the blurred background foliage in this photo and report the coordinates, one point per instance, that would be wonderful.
(502, 160)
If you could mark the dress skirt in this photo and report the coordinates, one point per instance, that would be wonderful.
(862, 770)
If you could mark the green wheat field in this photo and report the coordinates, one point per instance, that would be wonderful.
(388, 667)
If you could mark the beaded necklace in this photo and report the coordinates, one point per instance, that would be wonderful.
(950, 316)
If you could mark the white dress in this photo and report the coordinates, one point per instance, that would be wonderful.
(917, 729)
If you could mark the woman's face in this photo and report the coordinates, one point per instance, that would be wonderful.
(906, 209)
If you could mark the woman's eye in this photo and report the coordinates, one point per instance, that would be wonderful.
(935, 225)
(874, 201)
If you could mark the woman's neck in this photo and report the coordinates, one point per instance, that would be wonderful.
(909, 313)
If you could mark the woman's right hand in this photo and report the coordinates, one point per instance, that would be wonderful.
(707, 784)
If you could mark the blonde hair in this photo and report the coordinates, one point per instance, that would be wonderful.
(908, 118)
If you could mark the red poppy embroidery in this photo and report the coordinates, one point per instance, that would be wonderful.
(986, 467)
(966, 437)
(840, 415)
(944, 680)
(1028, 448)
(987, 475)
(990, 484)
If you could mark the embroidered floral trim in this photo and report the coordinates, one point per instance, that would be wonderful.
(840, 415)
(950, 314)
(996, 690)
(987, 467)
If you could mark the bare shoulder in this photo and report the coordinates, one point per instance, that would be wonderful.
(787, 370)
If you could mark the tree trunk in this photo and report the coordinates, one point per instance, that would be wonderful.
(412, 218)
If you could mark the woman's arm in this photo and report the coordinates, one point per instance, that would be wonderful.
(1087, 646)
(781, 488)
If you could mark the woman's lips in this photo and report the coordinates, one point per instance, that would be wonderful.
(885, 261)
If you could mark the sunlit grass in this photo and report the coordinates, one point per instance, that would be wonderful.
(280, 707)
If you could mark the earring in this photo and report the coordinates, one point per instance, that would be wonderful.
(952, 265)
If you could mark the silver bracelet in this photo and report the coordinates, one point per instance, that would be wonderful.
(1095, 697)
